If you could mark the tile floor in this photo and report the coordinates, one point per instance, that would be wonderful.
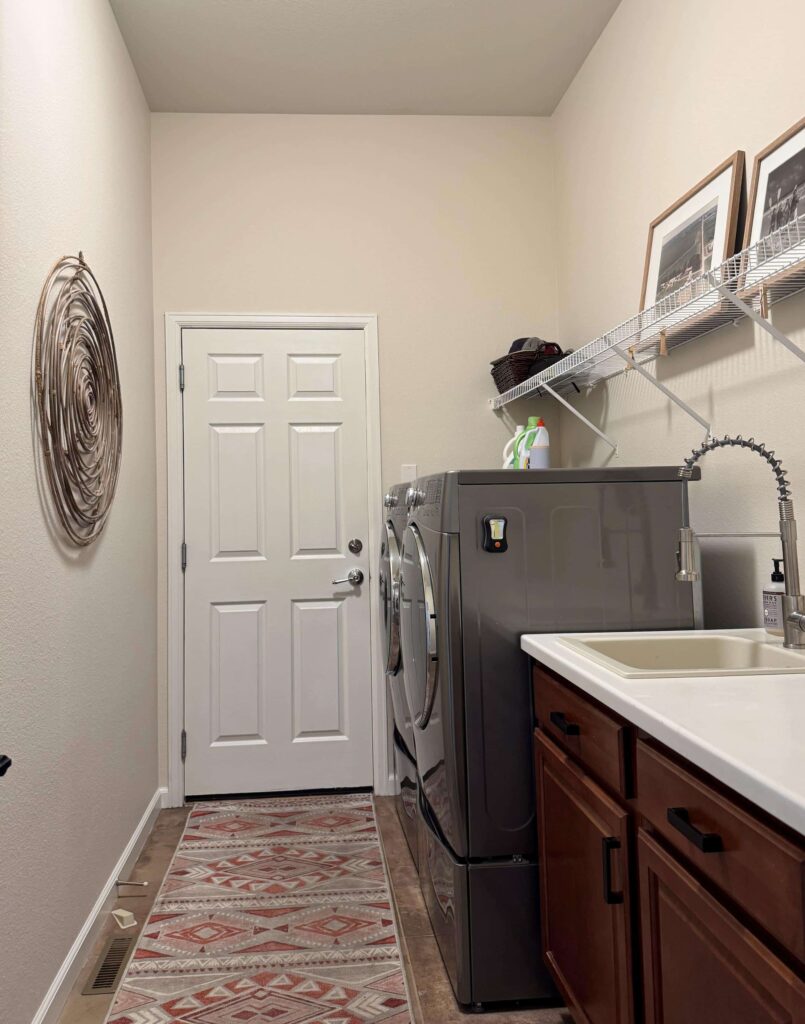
(150, 867)
(431, 995)
(429, 987)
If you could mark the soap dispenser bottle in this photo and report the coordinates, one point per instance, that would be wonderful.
(773, 601)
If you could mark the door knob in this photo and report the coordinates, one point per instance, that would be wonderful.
(354, 576)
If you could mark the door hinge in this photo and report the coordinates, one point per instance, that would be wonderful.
(184, 556)
(184, 744)
(181, 376)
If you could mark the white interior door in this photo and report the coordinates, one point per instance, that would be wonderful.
(277, 656)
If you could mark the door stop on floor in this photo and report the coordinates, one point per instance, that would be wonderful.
(123, 881)
(124, 918)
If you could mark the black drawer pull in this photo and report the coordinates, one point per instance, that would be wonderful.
(707, 842)
(5, 764)
(568, 728)
(608, 844)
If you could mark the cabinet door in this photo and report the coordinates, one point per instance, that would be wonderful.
(699, 962)
(584, 878)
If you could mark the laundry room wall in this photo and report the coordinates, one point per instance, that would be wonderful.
(78, 629)
(442, 226)
(633, 133)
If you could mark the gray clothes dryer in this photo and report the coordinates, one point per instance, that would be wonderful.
(395, 516)
(486, 557)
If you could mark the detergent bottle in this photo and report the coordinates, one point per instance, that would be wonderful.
(523, 443)
(508, 450)
(539, 454)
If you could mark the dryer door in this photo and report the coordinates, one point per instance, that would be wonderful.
(389, 597)
(419, 628)
(432, 670)
(390, 616)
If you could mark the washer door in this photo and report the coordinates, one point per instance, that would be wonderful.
(419, 627)
(389, 596)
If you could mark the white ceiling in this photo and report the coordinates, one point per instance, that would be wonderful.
(359, 56)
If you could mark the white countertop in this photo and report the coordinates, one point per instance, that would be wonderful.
(746, 731)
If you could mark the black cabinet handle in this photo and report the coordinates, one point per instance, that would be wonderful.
(707, 842)
(608, 844)
(5, 764)
(562, 724)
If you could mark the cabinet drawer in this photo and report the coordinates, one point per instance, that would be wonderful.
(700, 964)
(595, 737)
(760, 870)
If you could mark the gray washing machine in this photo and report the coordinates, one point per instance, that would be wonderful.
(487, 556)
(395, 516)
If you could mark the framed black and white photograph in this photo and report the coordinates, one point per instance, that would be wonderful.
(695, 234)
(777, 198)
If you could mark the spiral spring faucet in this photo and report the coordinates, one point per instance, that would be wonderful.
(688, 572)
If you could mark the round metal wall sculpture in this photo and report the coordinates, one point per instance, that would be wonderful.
(77, 395)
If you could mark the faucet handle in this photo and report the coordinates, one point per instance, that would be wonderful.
(687, 567)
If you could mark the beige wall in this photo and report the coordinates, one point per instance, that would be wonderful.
(668, 92)
(78, 631)
(442, 226)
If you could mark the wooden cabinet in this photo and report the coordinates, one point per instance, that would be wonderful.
(586, 902)
(751, 864)
(596, 738)
(699, 962)
(665, 898)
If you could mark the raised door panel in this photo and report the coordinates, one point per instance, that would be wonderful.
(237, 673)
(316, 498)
(318, 670)
(314, 378)
(699, 962)
(234, 378)
(584, 861)
(237, 486)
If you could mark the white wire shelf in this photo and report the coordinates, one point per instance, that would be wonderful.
(747, 284)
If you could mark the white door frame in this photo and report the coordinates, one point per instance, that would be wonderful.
(175, 324)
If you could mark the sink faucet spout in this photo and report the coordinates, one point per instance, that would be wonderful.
(688, 572)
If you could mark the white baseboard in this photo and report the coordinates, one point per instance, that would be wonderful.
(388, 786)
(56, 996)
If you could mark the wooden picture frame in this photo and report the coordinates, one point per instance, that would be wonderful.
(719, 194)
(751, 232)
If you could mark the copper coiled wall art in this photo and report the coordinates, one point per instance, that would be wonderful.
(77, 397)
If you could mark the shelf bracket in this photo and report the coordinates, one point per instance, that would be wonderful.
(578, 415)
(661, 387)
(759, 318)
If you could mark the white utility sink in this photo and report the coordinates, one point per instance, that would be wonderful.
(689, 653)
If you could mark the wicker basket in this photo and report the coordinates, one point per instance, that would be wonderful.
(514, 368)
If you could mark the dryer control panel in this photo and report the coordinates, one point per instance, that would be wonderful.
(495, 534)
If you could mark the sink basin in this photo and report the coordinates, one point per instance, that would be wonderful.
(640, 655)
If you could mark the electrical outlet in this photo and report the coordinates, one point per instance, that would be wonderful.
(407, 472)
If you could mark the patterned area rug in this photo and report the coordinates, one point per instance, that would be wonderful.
(273, 911)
